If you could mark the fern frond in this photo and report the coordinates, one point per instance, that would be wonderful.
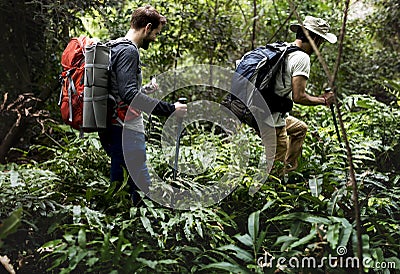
(393, 88)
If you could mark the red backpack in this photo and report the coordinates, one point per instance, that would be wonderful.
(84, 87)
(72, 81)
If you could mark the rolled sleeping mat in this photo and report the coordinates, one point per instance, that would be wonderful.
(96, 87)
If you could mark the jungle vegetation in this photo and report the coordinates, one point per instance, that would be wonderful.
(60, 214)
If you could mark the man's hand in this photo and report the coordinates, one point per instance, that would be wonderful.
(180, 109)
(301, 97)
(329, 98)
(151, 87)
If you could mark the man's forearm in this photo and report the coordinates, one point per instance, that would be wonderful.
(308, 100)
(299, 93)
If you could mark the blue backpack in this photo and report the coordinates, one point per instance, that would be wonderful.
(257, 70)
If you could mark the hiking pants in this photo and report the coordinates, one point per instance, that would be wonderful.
(287, 145)
(129, 155)
(296, 131)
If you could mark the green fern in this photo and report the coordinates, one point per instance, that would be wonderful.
(392, 87)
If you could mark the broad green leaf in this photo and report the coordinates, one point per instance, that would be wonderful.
(245, 239)
(285, 239)
(52, 244)
(96, 143)
(296, 228)
(306, 239)
(377, 254)
(253, 225)
(198, 227)
(77, 258)
(105, 248)
(92, 261)
(345, 232)
(147, 225)
(82, 238)
(168, 261)
(149, 263)
(187, 227)
(70, 238)
(332, 204)
(94, 218)
(365, 242)
(118, 247)
(364, 104)
(305, 217)
(132, 212)
(332, 235)
(225, 266)
(238, 252)
(192, 249)
(11, 224)
(260, 239)
(268, 205)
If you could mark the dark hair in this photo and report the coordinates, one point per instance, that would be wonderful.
(145, 15)
(302, 36)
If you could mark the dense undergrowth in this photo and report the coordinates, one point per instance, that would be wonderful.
(62, 215)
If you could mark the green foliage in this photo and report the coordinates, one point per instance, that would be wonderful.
(10, 225)
(393, 88)
(71, 219)
(385, 23)
(88, 224)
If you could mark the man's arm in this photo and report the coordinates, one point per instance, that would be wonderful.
(126, 73)
(301, 97)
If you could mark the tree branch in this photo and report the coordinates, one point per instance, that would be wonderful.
(281, 26)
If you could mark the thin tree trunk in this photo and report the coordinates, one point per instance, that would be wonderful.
(253, 38)
(332, 79)
(353, 181)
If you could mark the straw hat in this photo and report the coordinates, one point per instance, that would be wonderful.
(317, 26)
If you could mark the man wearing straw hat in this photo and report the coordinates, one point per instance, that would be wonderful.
(290, 132)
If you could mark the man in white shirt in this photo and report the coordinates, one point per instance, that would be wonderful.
(290, 132)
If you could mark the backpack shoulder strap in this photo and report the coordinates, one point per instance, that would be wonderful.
(285, 49)
(121, 40)
(282, 49)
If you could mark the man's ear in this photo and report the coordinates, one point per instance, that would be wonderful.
(148, 27)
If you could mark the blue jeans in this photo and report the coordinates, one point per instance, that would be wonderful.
(134, 150)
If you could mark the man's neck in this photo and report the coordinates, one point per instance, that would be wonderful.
(134, 36)
(304, 46)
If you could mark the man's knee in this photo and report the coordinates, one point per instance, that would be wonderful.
(303, 127)
(298, 130)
